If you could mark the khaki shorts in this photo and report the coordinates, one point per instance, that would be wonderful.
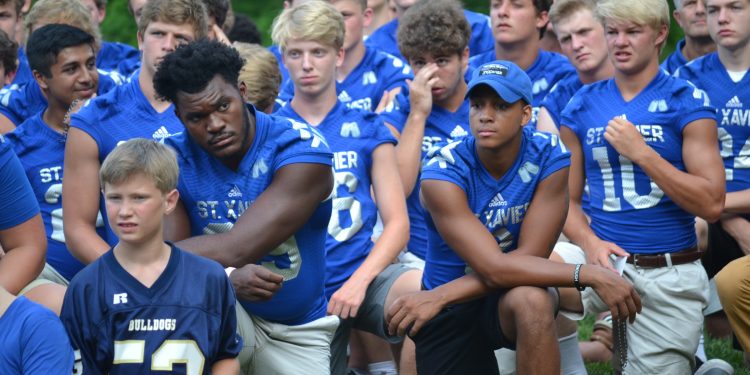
(48, 276)
(273, 348)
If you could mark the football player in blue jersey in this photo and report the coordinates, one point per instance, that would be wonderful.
(434, 37)
(723, 76)
(129, 111)
(33, 340)
(261, 76)
(691, 16)
(63, 61)
(382, 13)
(114, 56)
(8, 60)
(254, 195)
(146, 306)
(360, 279)
(517, 26)
(582, 41)
(367, 78)
(385, 37)
(23, 100)
(496, 203)
(646, 144)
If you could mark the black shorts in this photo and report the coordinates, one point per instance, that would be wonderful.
(462, 339)
(722, 249)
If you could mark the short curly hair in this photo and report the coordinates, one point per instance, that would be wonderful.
(434, 26)
(192, 66)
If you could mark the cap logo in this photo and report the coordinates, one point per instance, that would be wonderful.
(494, 69)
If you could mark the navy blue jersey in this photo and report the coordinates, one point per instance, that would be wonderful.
(41, 151)
(384, 38)
(122, 114)
(440, 127)
(363, 88)
(34, 341)
(500, 204)
(545, 72)
(675, 60)
(119, 57)
(626, 206)
(183, 323)
(733, 118)
(17, 201)
(352, 135)
(20, 102)
(214, 207)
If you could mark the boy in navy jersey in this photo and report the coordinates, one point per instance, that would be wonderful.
(130, 111)
(63, 60)
(517, 26)
(254, 196)
(496, 203)
(147, 306)
(366, 75)
(724, 77)
(691, 16)
(646, 144)
(360, 278)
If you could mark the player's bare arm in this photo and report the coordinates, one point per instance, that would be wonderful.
(25, 246)
(80, 200)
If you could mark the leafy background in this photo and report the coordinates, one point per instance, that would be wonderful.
(119, 25)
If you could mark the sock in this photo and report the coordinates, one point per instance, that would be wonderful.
(382, 368)
(571, 360)
(701, 351)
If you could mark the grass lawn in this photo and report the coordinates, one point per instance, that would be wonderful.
(714, 349)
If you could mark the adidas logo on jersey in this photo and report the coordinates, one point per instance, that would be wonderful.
(659, 105)
(344, 97)
(498, 201)
(734, 103)
(161, 134)
(369, 78)
(458, 132)
(350, 130)
(235, 192)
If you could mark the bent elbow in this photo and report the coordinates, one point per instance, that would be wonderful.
(713, 212)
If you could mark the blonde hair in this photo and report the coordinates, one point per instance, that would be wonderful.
(141, 156)
(653, 13)
(563, 9)
(176, 12)
(261, 74)
(314, 20)
(67, 12)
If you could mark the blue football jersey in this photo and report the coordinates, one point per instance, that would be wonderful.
(20, 102)
(363, 88)
(559, 96)
(626, 206)
(118, 57)
(23, 71)
(183, 323)
(41, 151)
(352, 135)
(33, 340)
(385, 37)
(122, 114)
(675, 60)
(545, 72)
(284, 73)
(214, 208)
(499, 204)
(17, 201)
(733, 118)
(440, 127)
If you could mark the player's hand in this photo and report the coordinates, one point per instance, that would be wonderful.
(386, 99)
(617, 292)
(626, 139)
(346, 301)
(413, 310)
(739, 228)
(598, 251)
(255, 283)
(420, 89)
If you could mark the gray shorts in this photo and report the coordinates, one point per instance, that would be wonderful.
(370, 317)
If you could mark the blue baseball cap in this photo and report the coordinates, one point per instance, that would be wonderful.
(508, 80)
